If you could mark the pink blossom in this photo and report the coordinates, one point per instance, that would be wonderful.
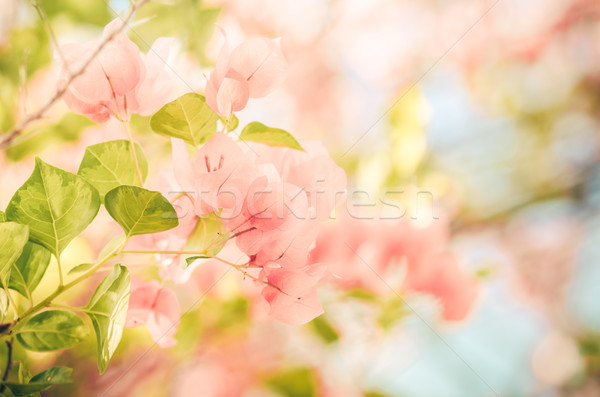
(250, 70)
(313, 170)
(120, 80)
(155, 307)
(440, 276)
(271, 212)
(218, 174)
(359, 252)
(291, 294)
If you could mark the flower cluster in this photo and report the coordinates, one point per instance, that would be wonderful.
(360, 252)
(271, 200)
(120, 80)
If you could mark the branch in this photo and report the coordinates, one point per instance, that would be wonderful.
(9, 363)
(72, 76)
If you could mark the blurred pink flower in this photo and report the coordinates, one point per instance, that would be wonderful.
(155, 307)
(120, 80)
(250, 70)
(292, 295)
(409, 258)
(439, 275)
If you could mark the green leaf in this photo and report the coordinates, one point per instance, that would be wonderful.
(140, 211)
(324, 329)
(24, 374)
(3, 305)
(28, 270)
(108, 311)
(187, 117)
(55, 204)
(210, 234)
(42, 381)
(258, 132)
(2, 216)
(296, 382)
(13, 238)
(80, 268)
(51, 330)
(110, 164)
(191, 259)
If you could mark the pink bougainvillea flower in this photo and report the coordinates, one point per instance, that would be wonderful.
(251, 70)
(272, 211)
(291, 294)
(155, 307)
(440, 275)
(291, 249)
(219, 174)
(323, 181)
(120, 80)
(409, 258)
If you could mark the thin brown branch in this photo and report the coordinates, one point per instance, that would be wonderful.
(63, 89)
(44, 18)
(9, 363)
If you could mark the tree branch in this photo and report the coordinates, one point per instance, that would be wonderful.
(9, 363)
(72, 76)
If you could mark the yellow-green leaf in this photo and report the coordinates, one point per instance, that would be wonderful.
(258, 132)
(108, 311)
(56, 205)
(110, 164)
(51, 330)
(140, 211)
(187, 117)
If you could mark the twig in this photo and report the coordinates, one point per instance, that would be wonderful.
(9, 363)
(44, 19)
(72, 76)
(23, 80)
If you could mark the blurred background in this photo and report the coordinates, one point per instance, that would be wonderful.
(488, 110)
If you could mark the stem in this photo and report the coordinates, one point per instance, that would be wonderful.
(223, 241)
(44, 19)
(46, 302)
(77, 309)
(180, 195)
(133, 153)
(61, 281)
(9, 351)
(239, 268)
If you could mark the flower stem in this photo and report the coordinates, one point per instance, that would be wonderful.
(133, 153)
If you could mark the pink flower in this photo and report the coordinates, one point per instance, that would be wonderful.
(155, 307)
(271, 212)
(359, 252)
(291, 294)
(440, 275)
(120, 80)
(322, 180)
(218, 175)
(251, 70)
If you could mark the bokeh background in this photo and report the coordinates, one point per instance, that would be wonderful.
(491, 107)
